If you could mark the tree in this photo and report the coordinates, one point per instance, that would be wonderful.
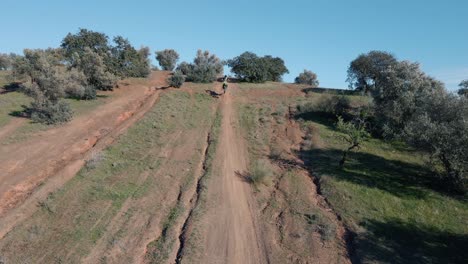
(75, 44)
(47, 86)
(367, 68)
(251, 68)
(167, 59)
(121, 59)
(126, 61)
(307, 77)
(95, 71)
(205, 68)
(353, 133)
(185, 68)
(6, 61)
(275, 68)
(176, 80)
(440, 128)
(463, 91)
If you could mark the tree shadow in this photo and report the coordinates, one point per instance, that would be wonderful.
(399, 178)
(395, 241)
(11, 87)
(324, 118)
(321, 90)
(24, 113)
(244, 176)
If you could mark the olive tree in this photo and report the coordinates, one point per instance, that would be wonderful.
(463, 91)
(367, 68)
(184, 67)
(440, 127)
(75, 44)
(205, 68)
(167, 59)
(6, 61)
(176, 80)
(126, 61)
(47, 86)
(307, 77)
(120, 59)
(95, 70)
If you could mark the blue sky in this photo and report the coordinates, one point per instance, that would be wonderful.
(323, 36)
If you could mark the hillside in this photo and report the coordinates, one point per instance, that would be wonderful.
(192, 176)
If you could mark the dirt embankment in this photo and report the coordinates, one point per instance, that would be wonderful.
(61, 151)
(298, 225)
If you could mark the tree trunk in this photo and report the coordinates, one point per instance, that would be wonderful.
(345, 155)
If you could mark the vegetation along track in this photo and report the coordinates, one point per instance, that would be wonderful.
(48, 160)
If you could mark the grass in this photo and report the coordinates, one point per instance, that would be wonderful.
(77, 216)
(387, 196)
(13, 103)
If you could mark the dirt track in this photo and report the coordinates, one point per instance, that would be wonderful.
(185, 216)
(233, 234)
(61, 151)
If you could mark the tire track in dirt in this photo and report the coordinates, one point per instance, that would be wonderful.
(119, 219)
(233, 234)
(11, 126)
(21, 201)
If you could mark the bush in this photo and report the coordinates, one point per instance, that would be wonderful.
(167, 59)
(307, 77)
(48, 112)
(259, 171)
(185, 68)
(176, 80)
(96, 72)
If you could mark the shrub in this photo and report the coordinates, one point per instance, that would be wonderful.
(176, 80)
(440, 129)
(76, 85)
(167, 59)
(353, 133)
(307, 77)
(185, 68)
(48, 112)
(332, 106)
(259, 171)
(92, 65)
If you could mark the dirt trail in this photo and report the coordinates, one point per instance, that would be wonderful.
(11, 127)
(61, 151)
(233, 233)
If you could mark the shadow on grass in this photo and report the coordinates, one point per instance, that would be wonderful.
(24, 113)
(399, 178)
(11, 87)
(336, 91)
(326, 119)
(394, 241)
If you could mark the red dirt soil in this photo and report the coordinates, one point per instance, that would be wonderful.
(53, 157)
